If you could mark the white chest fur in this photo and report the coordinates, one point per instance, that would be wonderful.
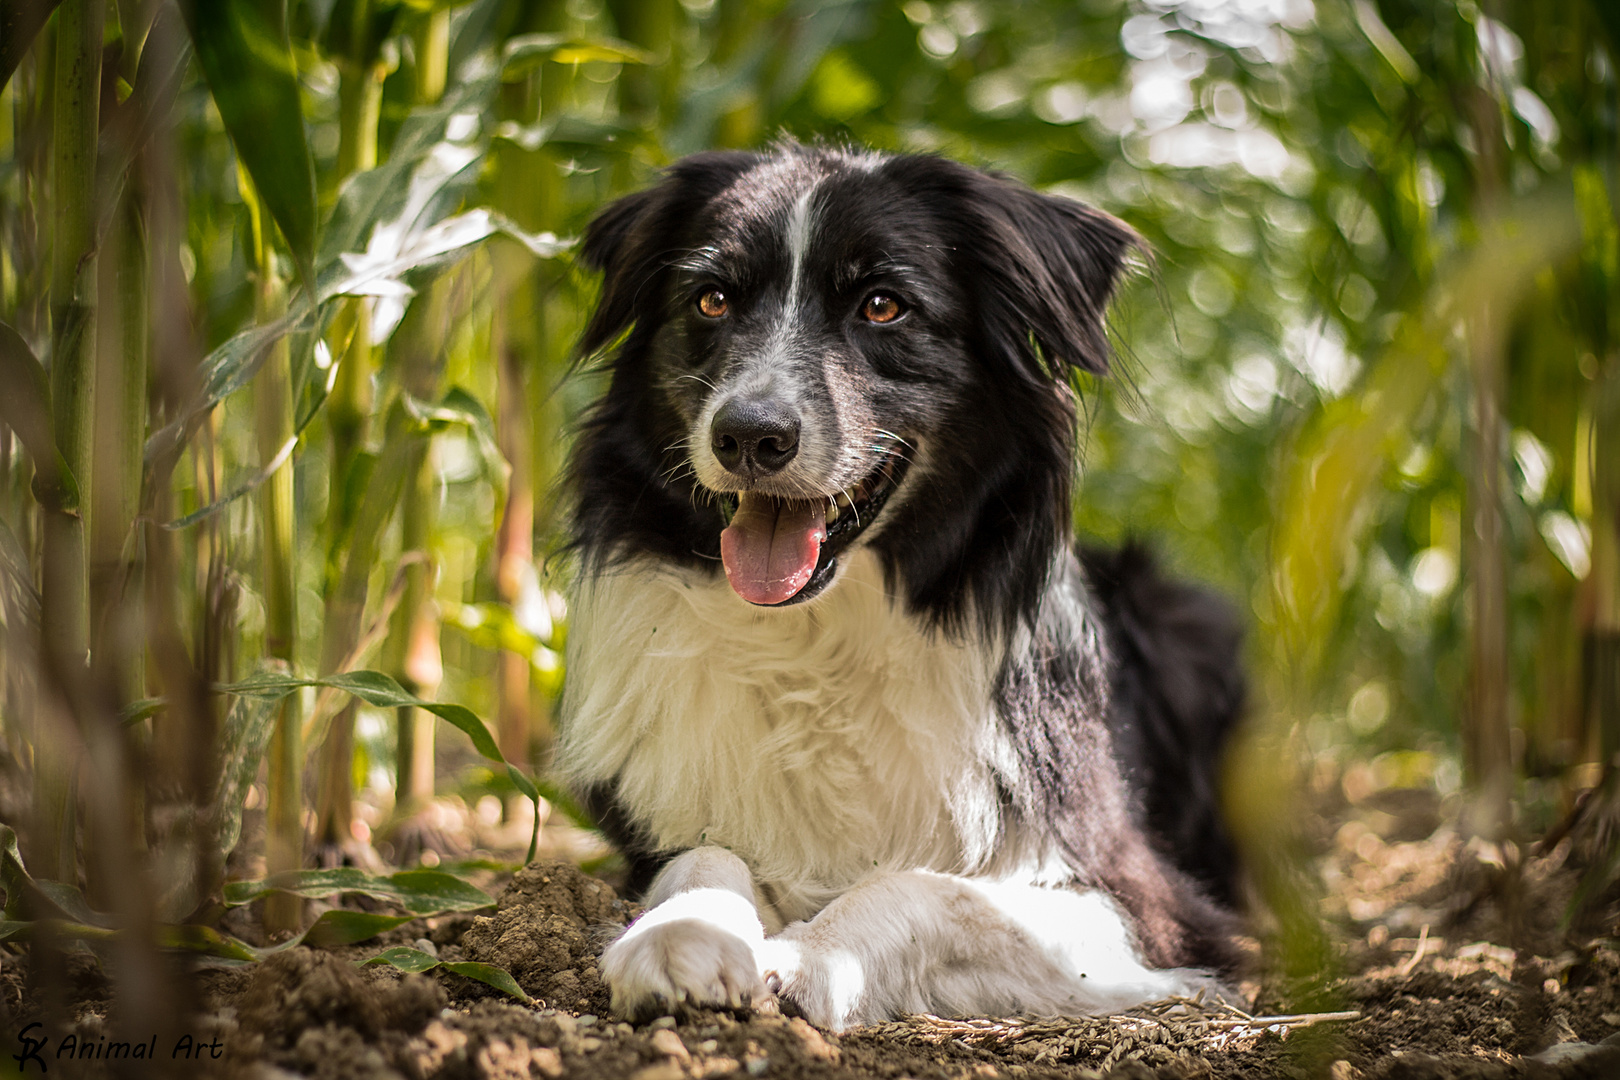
(816, 742)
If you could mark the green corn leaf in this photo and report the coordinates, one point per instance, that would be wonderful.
(246, 733)
(421, 892)
(428, 892)
(29, 898)
(25, 407)
(343, 927)
(572, 132)
(19, 596)
(13, 876)
(20, 22)
(380, 194)
(29, 901)
(405, 958)
(375, 688)
(226, 370)
(247, 58)
(458, 408)
(209, 942)
(490, 625)
(71, 902)
(144, 709)
(525, 52)
(417, 961)
(489, 975)
(245, 487)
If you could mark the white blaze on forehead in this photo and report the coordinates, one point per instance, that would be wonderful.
(766, 374)
(798, 239)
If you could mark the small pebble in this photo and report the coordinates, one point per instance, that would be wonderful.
(624, 1029)
(662, 1022)
(668, 1043)
(426, 946)
(587, 1020)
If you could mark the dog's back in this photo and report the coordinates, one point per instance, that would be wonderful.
(1177, 694)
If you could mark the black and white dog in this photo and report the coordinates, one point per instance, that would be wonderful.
(870, 733)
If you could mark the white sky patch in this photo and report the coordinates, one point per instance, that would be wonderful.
(1570, 540)
(1534, 112)
(1500, 48)
(1062, 103)
(1317, 350)
(1535, 463)
(1198, 145)
(1169, 62)
(1434, 572)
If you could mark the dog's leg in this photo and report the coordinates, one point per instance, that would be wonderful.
(696, 944)
(924, 942)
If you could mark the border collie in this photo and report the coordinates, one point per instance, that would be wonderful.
(872, 735)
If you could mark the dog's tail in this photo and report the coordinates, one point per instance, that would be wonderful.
(1178, 692)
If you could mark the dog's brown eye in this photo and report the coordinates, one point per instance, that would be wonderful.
(880, 309)
(712, 304)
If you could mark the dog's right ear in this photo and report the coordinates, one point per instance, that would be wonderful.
(635, 239)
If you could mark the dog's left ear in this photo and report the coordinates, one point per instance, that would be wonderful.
(1043, 267)
(1051, 265)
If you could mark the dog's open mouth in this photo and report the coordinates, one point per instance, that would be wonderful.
(784, 551)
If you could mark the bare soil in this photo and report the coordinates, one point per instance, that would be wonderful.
(1449, 964)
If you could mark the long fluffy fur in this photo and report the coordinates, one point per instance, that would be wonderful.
(943, 708)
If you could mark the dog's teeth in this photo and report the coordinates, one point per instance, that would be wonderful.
(832, 511)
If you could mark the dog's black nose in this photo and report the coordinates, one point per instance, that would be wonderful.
(754, 436)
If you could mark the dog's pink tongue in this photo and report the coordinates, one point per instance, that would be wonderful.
(770, 547)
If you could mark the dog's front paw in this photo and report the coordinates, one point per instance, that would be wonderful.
(829, 990)
(667, 963)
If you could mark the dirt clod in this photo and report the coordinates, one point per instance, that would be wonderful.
(310, 1012)
(547, 930)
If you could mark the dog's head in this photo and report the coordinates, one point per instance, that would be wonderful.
(824, 348)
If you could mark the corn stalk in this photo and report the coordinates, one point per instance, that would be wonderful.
(412, 651)
(273, 403)
(65, 616)
(348, 413)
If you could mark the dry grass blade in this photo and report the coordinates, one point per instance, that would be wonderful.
(1178, 1025)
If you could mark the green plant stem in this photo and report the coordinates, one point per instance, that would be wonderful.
(1487, 745)
(432, 41)
(116, 476)
(649, 93)
(1603, 645)
(345, 612)
(348, 411)
(411, 654)
(273, 403)
(526, 189)
(64, 618)
(113, 804)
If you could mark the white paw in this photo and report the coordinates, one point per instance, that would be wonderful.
(675, 959)
(828, 989)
